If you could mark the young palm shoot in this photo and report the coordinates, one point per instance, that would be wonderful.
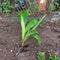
(29, 27)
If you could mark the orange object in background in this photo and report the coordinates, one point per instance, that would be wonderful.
(42, 4)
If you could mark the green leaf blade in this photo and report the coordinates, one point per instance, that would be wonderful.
(39, 22)
(37, 37)
(30, 34)
(24, 14)
(31, 24)
(23, 27)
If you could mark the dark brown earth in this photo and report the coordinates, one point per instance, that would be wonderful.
(10, 40)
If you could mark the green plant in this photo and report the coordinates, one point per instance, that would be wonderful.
(29, 27)
(41, 56)
(52, 57)
(6, 6)
(33, 6)
(52, 6)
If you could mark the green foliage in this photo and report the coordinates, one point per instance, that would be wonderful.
(41, 56)
(0, 9)
(33, 6)
(52, 57)
(29, 27)
(7, 6)
(52, 6)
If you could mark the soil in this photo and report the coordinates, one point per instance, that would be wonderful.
(10, 40)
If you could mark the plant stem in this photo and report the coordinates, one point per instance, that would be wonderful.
(22, 44)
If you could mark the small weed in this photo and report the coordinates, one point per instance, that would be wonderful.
(41, 56)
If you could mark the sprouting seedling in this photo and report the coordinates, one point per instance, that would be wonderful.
(42, 56)
(29, 27)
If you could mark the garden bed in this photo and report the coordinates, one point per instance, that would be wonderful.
(10, 40)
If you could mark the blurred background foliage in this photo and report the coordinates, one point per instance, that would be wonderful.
(32, 5)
